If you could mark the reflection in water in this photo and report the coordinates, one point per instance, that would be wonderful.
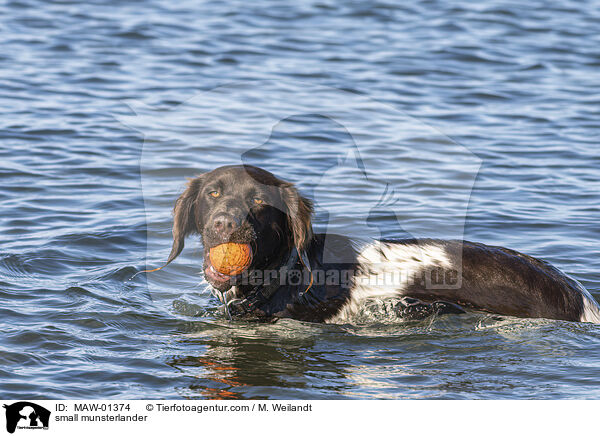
(248, 360)
(445, 356)
(215, 372)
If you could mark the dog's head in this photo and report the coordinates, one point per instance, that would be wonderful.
(242, 204)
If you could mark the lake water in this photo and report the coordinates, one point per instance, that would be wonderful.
(439, 119)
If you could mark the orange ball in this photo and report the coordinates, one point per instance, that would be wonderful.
(231, 258)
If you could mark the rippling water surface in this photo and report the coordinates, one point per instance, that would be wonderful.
(442, 119)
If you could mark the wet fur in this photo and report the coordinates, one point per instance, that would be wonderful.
(491, 279)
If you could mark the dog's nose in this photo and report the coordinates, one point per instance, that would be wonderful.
(225, 224)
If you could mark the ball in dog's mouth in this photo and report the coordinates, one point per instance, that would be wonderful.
(228, 260)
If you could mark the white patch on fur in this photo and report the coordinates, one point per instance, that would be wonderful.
(591, 310)
(387, 270)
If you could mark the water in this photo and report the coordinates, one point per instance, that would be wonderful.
(436, 97)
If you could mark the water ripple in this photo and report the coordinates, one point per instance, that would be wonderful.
(84, 208)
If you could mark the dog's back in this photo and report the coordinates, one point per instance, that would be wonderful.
(471, 275)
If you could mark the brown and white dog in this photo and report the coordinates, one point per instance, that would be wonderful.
(295, 273)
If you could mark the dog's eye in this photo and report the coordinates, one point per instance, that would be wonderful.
(214, 194)
(257, 200)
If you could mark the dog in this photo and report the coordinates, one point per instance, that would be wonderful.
(295, 273)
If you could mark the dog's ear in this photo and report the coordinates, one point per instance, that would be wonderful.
(185, 216)
(299, 215)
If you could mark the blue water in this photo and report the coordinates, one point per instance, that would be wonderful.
(441, 119)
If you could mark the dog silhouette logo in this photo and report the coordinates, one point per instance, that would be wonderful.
(26, 415)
